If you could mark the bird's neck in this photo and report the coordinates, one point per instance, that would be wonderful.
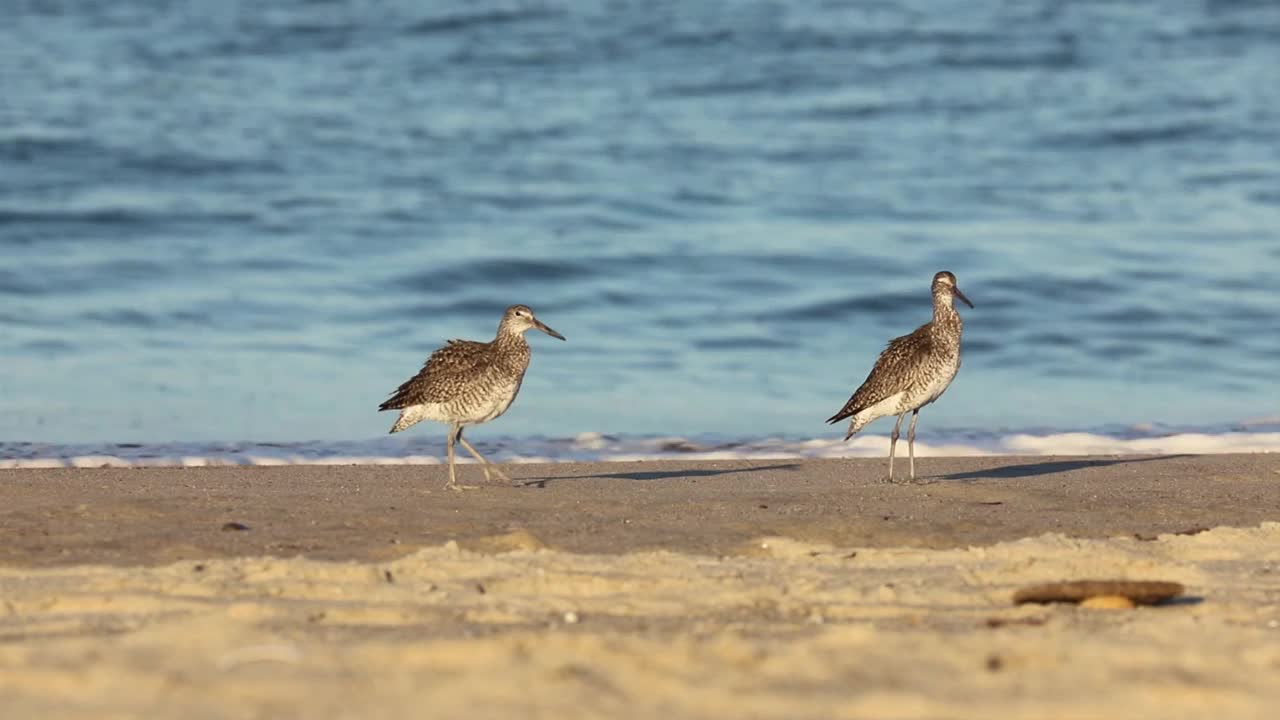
(944, 311)
(508, 338)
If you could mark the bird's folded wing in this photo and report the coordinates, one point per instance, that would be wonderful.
(891, 374)
(443, 377)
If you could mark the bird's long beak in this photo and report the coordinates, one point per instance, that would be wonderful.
(960, 295)
(538, 324)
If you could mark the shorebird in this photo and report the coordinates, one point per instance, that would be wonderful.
(913, 371)
(469, 383)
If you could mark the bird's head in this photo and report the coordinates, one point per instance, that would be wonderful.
(944, 284)
(519, 318)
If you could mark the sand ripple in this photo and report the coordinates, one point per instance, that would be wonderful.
(786, 629)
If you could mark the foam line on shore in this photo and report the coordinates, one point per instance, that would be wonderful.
(593, 446)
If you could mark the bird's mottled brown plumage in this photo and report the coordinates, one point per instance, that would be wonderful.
(468, 382)
(908, 364)
(912, 371)
(457, 373)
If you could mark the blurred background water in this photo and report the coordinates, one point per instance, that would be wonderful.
(252, 220)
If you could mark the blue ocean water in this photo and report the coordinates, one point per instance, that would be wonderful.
(247, 221)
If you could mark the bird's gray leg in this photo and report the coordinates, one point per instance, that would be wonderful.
(893, 443)
(455, 432)
(911, 441)
(483, 463)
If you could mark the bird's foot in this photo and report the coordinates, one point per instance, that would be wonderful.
(889, 480)
(459, 488)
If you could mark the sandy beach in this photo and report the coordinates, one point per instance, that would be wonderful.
(788, 589)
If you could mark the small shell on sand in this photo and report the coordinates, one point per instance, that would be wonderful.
(1135, 592)
(1108, 602)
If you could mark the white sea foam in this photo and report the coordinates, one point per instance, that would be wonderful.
(1257, 436)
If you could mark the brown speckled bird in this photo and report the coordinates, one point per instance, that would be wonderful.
(913, 371)
(469, 383)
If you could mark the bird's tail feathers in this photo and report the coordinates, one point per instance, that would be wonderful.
(408, 417)
(848, 411)
(857, 423)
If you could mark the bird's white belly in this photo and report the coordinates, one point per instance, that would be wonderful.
(491, 405)
(938, 384)
(891, 405)
(467, 410)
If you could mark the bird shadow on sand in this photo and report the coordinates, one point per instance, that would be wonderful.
(1050, 467)
(1182, 601)
(657, 474)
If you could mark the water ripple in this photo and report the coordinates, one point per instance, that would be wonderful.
(221, 210)
(827, 310)
(1131, 136)
(452, 23)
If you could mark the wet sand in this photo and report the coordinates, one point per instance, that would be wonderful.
(147, 516)
(786, 589)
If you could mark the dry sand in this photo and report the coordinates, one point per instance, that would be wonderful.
(704, 589)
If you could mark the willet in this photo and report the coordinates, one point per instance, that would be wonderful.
(913, 371)
(469, 383)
